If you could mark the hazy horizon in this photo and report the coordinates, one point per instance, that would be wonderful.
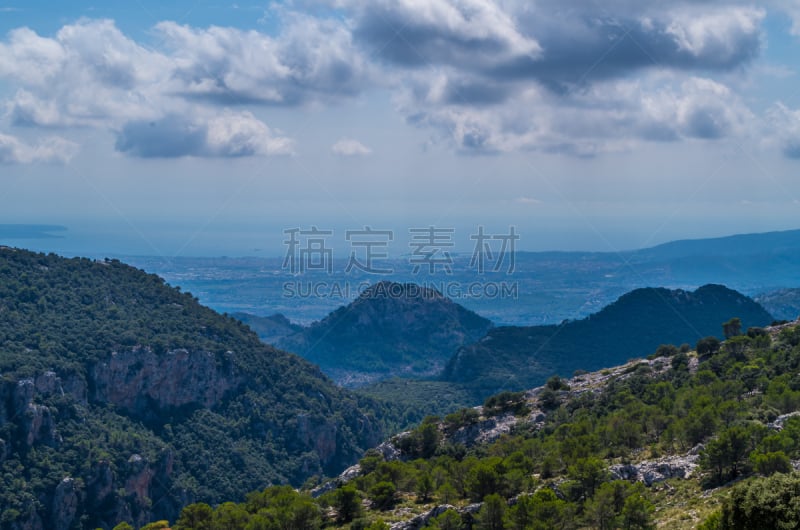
(237, 243)
(194, 128)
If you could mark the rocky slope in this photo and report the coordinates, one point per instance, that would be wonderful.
(391, 329)
(515, 358)
(783, 304)
(124, 399)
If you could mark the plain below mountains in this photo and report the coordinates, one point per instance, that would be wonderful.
(123, 399)
(391, 329)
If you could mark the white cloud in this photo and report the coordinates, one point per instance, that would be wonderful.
(530, 201)
(92, 75)
(311, 59)
(717, 34)
(419, 32)
(484, 75)
(53, 150)
(784, 129)
(350, 147)
(89, 74)
(609, 117)
(229, 134)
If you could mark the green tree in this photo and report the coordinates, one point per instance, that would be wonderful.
(763, 503)
(589, 473)
(601, 510)
(195, 517)
(492, 514)
(726, 455)
(383, 495)
(428, 439)
(347, 503)
(156, 525)
(637, 513)
(541, 511)
(230, 516)
(770, 463)
(447, 520)
(447, 493)
(707, 345)
(483, 480)
(424, 487)
(732, 327)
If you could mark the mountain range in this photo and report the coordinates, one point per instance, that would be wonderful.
(514, 358)
(402, 330)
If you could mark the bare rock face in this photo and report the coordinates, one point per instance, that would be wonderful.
(319, 435)
(39, 425)
(36, 422)
(139, 380)
(65, 504)
(139, 477)
(422, 520)
(651, 471)
(485, 431)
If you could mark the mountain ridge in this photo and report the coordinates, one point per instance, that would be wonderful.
(513, 357)
(390, 329)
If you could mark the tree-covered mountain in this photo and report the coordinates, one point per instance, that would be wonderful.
(515, 358)
(390, 329)
(122, 398)
(269, 329)
(702, 439)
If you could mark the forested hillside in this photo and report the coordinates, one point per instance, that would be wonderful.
(515, 358)
(122, 398)
(705, 439)
(391, 329)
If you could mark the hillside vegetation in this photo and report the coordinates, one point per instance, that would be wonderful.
(515, 358)
(122, 398)
(391, 329)
(680, 440)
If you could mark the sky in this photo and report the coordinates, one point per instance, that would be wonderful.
(206, 128)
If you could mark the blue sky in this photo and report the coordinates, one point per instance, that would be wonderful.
(208, 128)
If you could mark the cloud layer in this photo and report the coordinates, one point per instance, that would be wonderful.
(484, 76)
(53, 150)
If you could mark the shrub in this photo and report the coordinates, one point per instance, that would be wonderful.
(707, 345)
(763, 503)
